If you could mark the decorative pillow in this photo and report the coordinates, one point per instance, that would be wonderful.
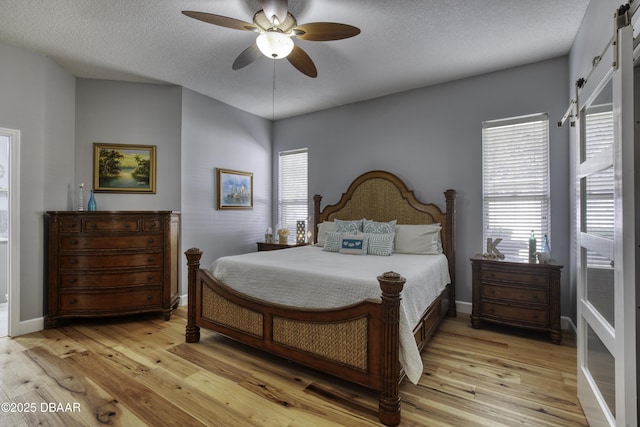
(352, 226)
(332, 241)
(380, 244)
(420, 239)
(355, 244)
(374, 227)
(323, 229)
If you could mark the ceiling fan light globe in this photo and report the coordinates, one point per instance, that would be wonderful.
(274, 44)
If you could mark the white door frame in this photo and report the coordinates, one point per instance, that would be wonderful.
(13, 248)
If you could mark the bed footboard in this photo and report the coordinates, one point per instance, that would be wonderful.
(314, 338)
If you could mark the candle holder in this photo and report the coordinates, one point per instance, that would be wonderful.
(300, 232)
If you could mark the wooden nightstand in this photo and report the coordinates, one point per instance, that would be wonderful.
(519, 294)
(262, 246)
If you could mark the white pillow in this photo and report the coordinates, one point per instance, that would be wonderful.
(419, 239)
(324, 228)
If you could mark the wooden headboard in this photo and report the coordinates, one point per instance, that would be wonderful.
(382, 196)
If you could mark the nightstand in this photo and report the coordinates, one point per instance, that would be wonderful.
(521, 294)
(263, 246)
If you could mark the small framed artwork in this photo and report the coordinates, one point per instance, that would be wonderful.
(124, 168)
(235, 189)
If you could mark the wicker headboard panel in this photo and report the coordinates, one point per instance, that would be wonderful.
(382, 196)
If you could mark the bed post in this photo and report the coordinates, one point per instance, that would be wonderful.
(193, 263)
(450, 197)
(316, 216)
(391, 284)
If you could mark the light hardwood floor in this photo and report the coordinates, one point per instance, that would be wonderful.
(137, 371)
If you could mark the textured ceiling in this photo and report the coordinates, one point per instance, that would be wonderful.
(404, 44)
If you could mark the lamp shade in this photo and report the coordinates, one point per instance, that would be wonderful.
(274, 44)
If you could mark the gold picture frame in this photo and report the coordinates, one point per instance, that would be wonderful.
(124, 168)
(234, 189)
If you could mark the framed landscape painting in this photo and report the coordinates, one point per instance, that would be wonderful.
(124, 168)
(235, 189)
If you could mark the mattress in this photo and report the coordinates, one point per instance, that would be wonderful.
(309, 277)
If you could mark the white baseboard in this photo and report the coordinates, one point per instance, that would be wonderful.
(463, 307)
(28, 326)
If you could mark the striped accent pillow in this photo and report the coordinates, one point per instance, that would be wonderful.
(380, 244)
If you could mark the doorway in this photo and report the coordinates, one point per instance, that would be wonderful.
(4, 235)
(9, 232)
(606, 283)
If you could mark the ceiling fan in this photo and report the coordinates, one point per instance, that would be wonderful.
(276, 28)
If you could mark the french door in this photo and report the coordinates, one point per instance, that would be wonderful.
(606, 282)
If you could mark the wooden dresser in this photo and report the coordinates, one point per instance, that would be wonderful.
(110, 263)
(519, 294)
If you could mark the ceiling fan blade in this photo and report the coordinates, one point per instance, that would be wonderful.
(325, 31)
(222, 21)
(276, 8)
(247, 56)
(299, 59)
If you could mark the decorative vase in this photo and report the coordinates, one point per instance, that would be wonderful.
(532, 247)
(81, 199)
(91, 206)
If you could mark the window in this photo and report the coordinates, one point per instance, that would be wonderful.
(293, 183)
(515, 182)
(599, 201)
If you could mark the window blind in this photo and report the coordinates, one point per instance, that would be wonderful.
(293, 183)
(599, 199)
(515, 182)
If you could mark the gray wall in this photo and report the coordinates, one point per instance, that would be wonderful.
(431, 138)
(215, 135)
(38, 100)
(129, 113)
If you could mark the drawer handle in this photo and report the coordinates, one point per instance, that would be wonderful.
(73, 301)
(149, 240)
(127, 225)
(149, 277)
(149, 259)
(73, 280)
(74, 242)
(149, 297)
(72, 261)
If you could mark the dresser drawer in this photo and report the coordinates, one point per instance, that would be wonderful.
(105, 224)
(108, 301)
(152, 225)
(111, 260)
(71, 226)
(514, 276)
(86, 280)
(517, 315)
(111, 242)
(514, 293)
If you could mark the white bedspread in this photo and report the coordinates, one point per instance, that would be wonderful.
(312, 278)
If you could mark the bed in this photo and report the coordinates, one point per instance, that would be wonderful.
(315, 336)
